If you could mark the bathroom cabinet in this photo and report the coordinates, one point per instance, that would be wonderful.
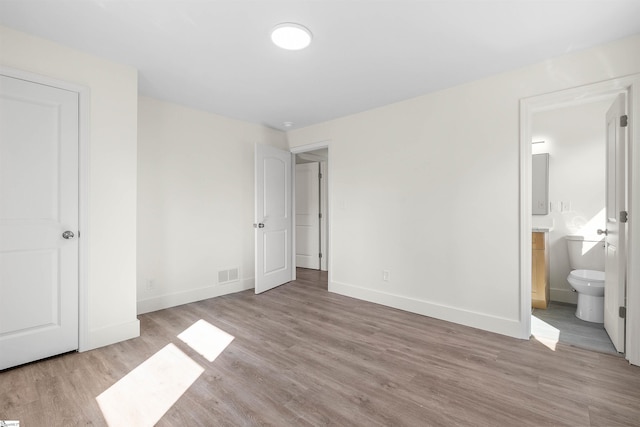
(539, 270)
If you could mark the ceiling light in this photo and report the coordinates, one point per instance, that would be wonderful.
(287, 124)
(291, 36)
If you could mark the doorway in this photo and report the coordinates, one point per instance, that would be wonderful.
(573, 139)
(600, 92)
(275, 213)
(311, 207)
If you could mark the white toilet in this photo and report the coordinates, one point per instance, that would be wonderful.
(586, 259)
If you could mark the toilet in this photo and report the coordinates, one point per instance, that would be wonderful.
(586, 259)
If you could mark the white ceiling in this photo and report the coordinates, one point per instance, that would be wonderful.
(217, 55)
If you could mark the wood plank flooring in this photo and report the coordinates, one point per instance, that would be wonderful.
(305, 357)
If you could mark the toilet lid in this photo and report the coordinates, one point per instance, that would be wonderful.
(593, 275)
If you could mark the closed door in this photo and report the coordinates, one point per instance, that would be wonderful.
(273, 218)
(38, 221)
(615, 266)
(308, 215)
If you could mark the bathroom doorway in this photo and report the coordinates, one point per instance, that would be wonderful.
(574, 139)
(574, 208)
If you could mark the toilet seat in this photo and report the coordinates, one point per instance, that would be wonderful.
(594, 277)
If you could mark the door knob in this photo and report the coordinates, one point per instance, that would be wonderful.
(605, 232)
(259, 225)
(68, 234)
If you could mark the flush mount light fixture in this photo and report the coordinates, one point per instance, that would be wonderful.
(290, 36)
(287, 124)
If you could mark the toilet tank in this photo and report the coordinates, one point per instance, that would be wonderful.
(585, 252)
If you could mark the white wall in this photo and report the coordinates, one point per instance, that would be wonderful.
(575, 140)
(429, 189)
(195, 202)
(111, 290)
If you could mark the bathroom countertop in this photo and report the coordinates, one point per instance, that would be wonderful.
(541, 229)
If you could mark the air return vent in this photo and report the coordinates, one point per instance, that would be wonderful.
(228, 276)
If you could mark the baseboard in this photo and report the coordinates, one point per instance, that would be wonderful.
(564, 295)
(160, 302)
(499, 325)
(112, 334)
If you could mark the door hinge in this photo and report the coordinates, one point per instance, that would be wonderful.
(319, 175)
(623, 121)
(320, 215)
(320, 255)
(624, 216)
(622, 312)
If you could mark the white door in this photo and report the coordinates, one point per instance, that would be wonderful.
(273, 218)
(38, 204)
(308, 215)
(615, 268)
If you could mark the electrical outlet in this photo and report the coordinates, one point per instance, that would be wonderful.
(151, 284)
(385, 275)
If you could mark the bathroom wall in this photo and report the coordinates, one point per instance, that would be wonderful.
(575, 140)
(428, 189)
(195, 203)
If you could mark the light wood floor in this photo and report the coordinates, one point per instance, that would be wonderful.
(304, 357)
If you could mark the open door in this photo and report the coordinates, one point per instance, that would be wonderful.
(615, 256)
(273, 218)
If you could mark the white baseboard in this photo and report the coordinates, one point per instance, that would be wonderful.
(161, 302)
(499, 325)
(563, 295)
(112, 334)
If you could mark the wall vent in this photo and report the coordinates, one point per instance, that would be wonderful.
(228, 276)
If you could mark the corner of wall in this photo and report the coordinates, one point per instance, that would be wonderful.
(101, 337)
(160, 302)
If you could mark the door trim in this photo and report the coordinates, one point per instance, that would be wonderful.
(83, 190)
(574, 96)
(303, 149)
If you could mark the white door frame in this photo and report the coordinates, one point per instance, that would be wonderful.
(324, 224)
(304, 149)
(574, 96)
(83, 191)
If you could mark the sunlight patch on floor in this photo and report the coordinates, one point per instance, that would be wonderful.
(146, 393)
(206, 339)
(544, 333)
